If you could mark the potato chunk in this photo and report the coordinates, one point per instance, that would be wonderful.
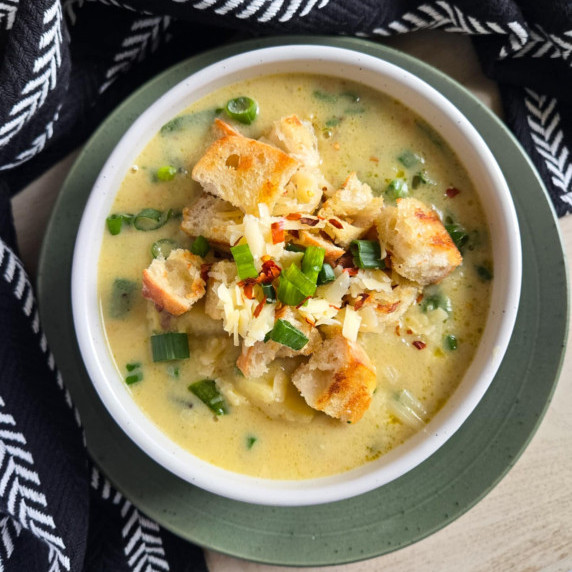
(421, 248)
(339, 380)
(174, 284)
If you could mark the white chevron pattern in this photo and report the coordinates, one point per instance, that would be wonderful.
(450, 18)
(35, 92)
(25, 503)
(143, 547)
(541, 44)
(37, 144)
(544, 122)
(262, 10)
(144, 38)
(8, 9)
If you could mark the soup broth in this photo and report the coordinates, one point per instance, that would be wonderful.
(269, 429)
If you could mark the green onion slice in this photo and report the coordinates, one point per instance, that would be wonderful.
(286, 334)
(250, 440)
(326, 274)
(485, 272)
(291, 247)
(458, 235)
(151, 219)
(244, 261)
(397, 189)
(123, 296)
(162, 248)
(170, 346)
(242, 109)
(288, 293)
(200, 246)
(166, 173)
(301, 281)
(409, 159)
(114, 223)
(367, 254)
(421, 178)
(313, 261)
(269, 293)
(207, 391)
(134, 377)
(450, 342)
(433, 298)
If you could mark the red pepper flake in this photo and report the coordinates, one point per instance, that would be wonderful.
(419, 344)
(303, 301)
(334, 307)
(452, 192)
(419, 298)
(326, 236)
(336, 223)
(409, 331)
(270, 271)
(237, 241)
(310, 322)
(374, 159)
(258, 308)
(294, 216)
(346, 260)
(397, 330)
(249, 291)
(362, 299)
(387, 308)
(351, 271)
(205, 268)
(387, 261)
(294, 233)
(277, 229)
(309, 221)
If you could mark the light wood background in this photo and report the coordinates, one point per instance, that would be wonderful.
(525, 523)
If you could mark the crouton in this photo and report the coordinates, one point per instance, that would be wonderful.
(222, 272)
(212, 218)
(296, 136)
(306, 238)
(352, 197)
(339, 380)
(222, 128)
(421, 248)
(302, 194)
(244, 172)
(174, 284)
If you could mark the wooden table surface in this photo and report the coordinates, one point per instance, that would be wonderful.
(525, 523)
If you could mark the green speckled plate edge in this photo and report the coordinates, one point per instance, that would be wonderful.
(421, 502)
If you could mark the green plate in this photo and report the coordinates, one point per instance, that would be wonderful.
(401, 512)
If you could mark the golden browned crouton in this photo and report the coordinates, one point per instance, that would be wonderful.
(174, 284)
(421, 248)
(212, 218)
(244, 172)
(296, 136)
(349, 200)
(339, 379)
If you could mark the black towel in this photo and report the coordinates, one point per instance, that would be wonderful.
(64, 64)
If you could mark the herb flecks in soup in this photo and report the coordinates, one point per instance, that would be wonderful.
(295, 276)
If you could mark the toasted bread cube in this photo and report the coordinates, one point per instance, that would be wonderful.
(174, 284)
(244, 172)
(296, 136)
(421, 248)
(349, 200)
(307, 238)
(222, 272)
(222, 128)
(339, 379)
(212, 218)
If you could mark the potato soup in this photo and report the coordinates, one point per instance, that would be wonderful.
(297, 301)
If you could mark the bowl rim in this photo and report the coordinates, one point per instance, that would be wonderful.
(91, 335)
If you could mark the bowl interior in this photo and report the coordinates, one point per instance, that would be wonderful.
(496, 202)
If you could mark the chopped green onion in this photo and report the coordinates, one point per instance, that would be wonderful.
(313, 261)
(325, 96)
(244, 261)
(134, 377)
(301, 281)
(132, 366)
(397, 189)
(162, 248)
(173, 371)
(458, 235)
(353, 97)
(170, 346)
(114, 223)
(286, 334)
(450, 342)
(288, 293)
(207, 391)
(433, 298)
(326, 274)
(200, 246)
(333, 122)
(409, 159)
(367, 254)
(151, 219)
(123, 294)
(291, 247)
(421, 178)
(166, 173)
(242, 109)
(269, 293)
(250, 440)
(485, 273)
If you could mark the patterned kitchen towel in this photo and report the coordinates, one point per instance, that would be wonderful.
(64, 64)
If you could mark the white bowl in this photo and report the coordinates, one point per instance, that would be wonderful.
(505, 239)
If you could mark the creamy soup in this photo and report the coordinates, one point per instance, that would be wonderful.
(267, 428)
